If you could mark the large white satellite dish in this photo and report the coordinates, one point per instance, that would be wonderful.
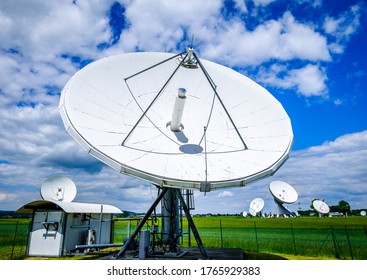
(256, 206)
(176, 120)
(363, 213)
(320, 206)
(58, 188)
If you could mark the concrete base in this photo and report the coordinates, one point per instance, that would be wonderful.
(190, 254)
(215, 254)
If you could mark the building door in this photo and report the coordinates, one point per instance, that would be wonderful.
(46, 235)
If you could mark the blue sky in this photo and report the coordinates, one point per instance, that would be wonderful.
(308, 54)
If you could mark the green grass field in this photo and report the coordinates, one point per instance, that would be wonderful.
(300, 238)
(311, 237)
(13, 238)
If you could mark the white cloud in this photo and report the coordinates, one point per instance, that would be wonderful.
(6, 196)
(47, 27)
(282, 39)
(346, 24)
(342, 27)
(262, 2)
(141, 192)
(308, 81)
(301, 41)
(225, 194)
(33, 38)
(313, 3)
(338, 101)
(344, 144)
(241, 5)
(167, 21)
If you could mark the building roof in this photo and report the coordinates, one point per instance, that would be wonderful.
(68, 207)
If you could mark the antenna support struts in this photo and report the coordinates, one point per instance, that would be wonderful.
(172, 202)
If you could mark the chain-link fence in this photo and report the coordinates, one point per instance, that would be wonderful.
(342, 242)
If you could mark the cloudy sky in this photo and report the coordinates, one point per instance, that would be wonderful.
(309, 54)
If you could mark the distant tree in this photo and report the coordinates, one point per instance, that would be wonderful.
(344, 207)
(334, 208)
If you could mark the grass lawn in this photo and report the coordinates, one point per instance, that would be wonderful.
(261, 238)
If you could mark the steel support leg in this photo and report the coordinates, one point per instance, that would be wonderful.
(141, 224)
(193, 227)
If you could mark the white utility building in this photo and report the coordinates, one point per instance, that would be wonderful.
(58, 226)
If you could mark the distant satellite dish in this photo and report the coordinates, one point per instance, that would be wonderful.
(176, 121)
(321, 206)
(283, 192)
(256, 206)
(244, 213)
(363, 213)
(252, 212)
(58, 188)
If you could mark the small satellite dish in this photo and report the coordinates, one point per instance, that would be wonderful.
(320, 206)
(363, 213)
(283, 192)
(256, 206)
(244, 214)
(58, 188)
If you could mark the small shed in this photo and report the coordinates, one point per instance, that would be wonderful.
(58, 226)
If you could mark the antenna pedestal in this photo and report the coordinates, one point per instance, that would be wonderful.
(170, 220)
(281, 211)
(170, 199)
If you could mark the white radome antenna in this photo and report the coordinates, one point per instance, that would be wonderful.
(58, 188)
(282, 193)
(256, 206)
(320, 206)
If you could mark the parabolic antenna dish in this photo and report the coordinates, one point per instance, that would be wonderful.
(58, 188)
(363, 213)
(176, 121)
(321, 206)
(283, 192)
(257, 205)
(252, 212)
(244, 213)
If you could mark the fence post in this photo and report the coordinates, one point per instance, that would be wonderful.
(221, 232)
(350, 247)
(15, 236)
(336, 245)
(257, 243)
(294, 241)
(334, 242)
